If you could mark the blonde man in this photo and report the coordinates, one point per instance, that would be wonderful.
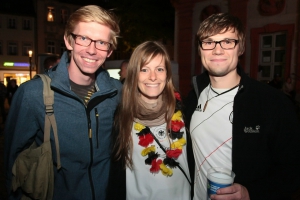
(85, 100)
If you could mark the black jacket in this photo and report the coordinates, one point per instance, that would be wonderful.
(265, 138)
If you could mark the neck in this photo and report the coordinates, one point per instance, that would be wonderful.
(225, 82)
(80, 78)
(149, 100)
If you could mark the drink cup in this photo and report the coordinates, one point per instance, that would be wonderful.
(217, 178)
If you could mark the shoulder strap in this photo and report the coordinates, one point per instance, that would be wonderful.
(164, 150)
(48, 95)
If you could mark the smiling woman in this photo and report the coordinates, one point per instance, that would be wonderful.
(150, 141)
(152, 79)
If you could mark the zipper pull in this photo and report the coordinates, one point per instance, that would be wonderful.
(90, 133)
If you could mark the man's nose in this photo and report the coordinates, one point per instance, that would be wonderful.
(91, 49)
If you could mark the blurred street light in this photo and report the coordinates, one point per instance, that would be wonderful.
(30, 63)
(50, 17)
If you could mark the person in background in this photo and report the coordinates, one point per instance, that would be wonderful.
(239, 123)
(11, 89)
(149, 159)
(85, 98)
(3, 94)
(288, 88)
(123, 70)
(50, 62)
(276, 82)
(7, 80)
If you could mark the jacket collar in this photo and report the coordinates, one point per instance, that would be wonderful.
(60, 77)
(203, 80)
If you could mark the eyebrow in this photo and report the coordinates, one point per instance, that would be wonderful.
(211, 40)
(91, 38)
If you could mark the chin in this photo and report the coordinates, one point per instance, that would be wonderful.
(88, 72)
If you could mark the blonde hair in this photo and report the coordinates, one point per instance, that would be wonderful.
(128, 108)
(93, 13)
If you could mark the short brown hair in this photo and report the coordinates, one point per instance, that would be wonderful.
(220, 23)
(93, 13)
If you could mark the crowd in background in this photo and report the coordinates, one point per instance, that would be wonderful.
(6, 95)
(287, 86)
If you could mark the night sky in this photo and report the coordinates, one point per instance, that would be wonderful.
(86, 2)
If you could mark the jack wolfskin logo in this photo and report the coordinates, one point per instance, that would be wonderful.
(250, 130)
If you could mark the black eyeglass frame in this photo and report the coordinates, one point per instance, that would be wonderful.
(219, 42)
(75, 36)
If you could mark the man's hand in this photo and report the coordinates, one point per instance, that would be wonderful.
(234, 192)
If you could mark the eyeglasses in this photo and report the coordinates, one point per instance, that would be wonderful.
(85, 41)
(225, 44)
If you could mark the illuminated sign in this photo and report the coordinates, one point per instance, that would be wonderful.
(15, 64)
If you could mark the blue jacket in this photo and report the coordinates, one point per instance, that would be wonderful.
(85, 162)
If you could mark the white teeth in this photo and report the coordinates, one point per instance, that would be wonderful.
(151, 85)
(89, 60)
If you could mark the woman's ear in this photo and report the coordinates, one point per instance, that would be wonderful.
(68, 45)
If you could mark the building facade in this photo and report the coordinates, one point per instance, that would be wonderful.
(272, 43)
(51, 20)
(17, 37)
(36, 26)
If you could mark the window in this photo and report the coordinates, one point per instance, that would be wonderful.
(26, 24)
(272, 55)
(62, 48)
(26, 48)
(12, 48)
(64, 16)
(50, 47)
(11, 23)
(1, 50)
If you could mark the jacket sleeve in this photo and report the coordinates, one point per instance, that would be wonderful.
(190, 104)
(282, 179)
(116, 188)
(20, 129)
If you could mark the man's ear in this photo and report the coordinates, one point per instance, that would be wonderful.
(241, 50)
(68, 45)
(109, 53)
(241, 53)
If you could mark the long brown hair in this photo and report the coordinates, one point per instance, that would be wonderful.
(127, 110)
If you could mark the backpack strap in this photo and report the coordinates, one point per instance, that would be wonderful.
(48, 95)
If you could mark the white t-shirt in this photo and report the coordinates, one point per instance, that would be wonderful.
(211, 133)
(142, 184)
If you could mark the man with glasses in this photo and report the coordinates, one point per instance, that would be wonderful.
(85, 98)
(239, 123)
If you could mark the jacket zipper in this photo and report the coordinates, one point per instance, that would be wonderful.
(90, 138)
(91, 154)
(97, 126)
(88, 109)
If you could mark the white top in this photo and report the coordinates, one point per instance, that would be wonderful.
(211, 133)
(142, 184)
